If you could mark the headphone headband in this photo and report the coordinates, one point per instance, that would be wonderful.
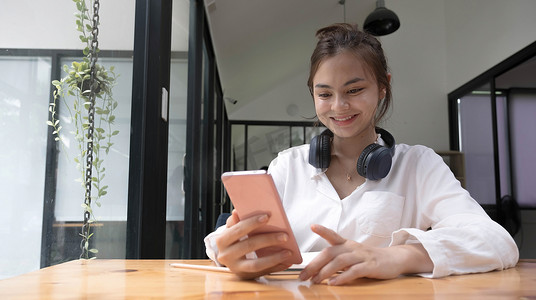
(373, 163)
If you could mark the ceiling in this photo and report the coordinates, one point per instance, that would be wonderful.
(260, 44)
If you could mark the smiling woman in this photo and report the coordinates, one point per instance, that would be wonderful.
(342, 215)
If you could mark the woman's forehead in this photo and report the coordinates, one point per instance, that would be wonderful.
(342, 66)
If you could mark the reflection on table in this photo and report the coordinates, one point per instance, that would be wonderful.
(106, 279)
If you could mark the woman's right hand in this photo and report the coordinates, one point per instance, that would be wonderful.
(233, 247)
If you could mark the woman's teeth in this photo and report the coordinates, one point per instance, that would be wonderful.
(343, 119)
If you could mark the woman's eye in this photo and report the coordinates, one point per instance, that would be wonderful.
(324, 95)
(355, 91)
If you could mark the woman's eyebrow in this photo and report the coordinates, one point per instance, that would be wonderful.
(327, 86)
(357, 79)
(323, 86)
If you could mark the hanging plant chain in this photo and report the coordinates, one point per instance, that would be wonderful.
(93, 56)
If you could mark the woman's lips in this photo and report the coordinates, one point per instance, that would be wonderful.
(344, 119)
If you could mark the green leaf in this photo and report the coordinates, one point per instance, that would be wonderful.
(94, 251)
(50, 123)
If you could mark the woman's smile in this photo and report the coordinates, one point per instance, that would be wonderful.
(344, 120)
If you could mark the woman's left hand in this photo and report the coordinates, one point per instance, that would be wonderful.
(355, 260)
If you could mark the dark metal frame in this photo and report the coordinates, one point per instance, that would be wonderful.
(202, 185)
(487, 77)
(193, 139)
(147, 187)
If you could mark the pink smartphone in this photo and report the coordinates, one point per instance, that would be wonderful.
(254, 193)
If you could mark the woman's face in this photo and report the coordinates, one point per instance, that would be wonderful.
(345, 95)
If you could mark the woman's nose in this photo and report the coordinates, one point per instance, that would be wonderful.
(341, 103)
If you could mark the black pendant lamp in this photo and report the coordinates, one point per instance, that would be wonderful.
(381, 21)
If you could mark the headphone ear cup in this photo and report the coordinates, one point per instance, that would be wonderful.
(320, 151)
(361, 161)
(374, 162)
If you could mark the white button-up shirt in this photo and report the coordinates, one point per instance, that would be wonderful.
(419, 201)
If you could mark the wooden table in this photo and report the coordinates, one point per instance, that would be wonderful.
(143, 279)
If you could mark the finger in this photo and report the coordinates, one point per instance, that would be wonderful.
(233, 219)
(343, 261)
(352, 273)
(329, 235)
(239, 230)
(239, 249)
(323, 258)
(262, 266)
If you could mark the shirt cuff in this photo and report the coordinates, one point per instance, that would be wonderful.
(210, 245)
(408, 236)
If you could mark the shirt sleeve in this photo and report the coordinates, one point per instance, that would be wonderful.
(210, 245)
(462, 238)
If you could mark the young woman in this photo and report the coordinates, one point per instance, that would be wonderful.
(365, 219)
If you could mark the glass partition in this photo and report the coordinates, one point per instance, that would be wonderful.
(41, 203)
(255, 145)
(24, 94)
(111, 215)
(476, 142)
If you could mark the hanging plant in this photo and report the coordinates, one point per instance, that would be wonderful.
(86, 91)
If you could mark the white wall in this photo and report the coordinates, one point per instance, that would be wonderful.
(417, 57)
(482, 33)
(51, 25)
(416, 54)
(441, 45)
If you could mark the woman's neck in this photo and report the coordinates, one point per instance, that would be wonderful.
(351, 148)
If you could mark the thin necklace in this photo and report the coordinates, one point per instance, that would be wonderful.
(348, 174)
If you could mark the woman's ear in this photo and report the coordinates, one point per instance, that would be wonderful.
(383, 91)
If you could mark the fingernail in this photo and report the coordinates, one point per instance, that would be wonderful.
(282, 237)
(286, 254)
(332, 281)
(263, 218)
(303, 276)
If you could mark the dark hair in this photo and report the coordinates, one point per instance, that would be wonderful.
(341, 37)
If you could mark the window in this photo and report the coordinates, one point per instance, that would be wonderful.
(492, 122)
